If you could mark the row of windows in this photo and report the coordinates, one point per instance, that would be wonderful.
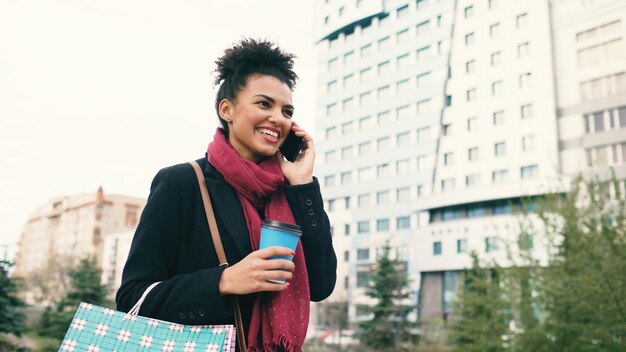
(499, 150)
(497, 87)
(497, 119)
(605, 29)
(492, 244)
(603, 86)
(605, 120)
(495, 58)
(521, 21)
(402, 194)
(613, 154)
(407, 110)
(498, 176)
(612, 50)
(381, 119)
(382, 225)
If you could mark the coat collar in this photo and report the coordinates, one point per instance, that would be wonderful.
(227, 208)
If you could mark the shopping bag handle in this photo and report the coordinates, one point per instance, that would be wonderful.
(134, 311)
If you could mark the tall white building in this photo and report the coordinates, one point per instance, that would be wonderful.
(436, 115)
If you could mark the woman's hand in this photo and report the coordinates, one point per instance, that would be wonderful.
(301, 170)
(252, 272)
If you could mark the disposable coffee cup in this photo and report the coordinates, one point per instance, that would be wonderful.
(276, 233)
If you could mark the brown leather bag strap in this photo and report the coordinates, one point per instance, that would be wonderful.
(219, 249)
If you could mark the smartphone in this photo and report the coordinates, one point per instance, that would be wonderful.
(292, 146)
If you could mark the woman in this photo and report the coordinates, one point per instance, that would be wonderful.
(248, 180)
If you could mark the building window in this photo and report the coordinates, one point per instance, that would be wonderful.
(366, 50)
(364, 200)
(494, 4)
(402, 86)
(471, 181)
(331, 132)
(472, 154)
(470, 38)
(402, 194)
(331, 86)
(496, 88)
(383, 68)
(365, 148)
(524, 80)
(471, 123)
(421, 162)
(529, 172)
(498, 118)
(470, 95)
(329, 181)
(437, 248)
(448, 159)
(330, 156)
(446, 129)
(528, 143)
(470, 66)
(496, 58)
(461, 245)
(346, 229)
(331, 109)
(382, 197)
(499, 176)
(403, 112)
(383, 118)
(363, 254)
(362, 280)
(364, 123)
(331, 205)
(383, 92)
(402, 11)
(526, 111)
(346, 177)
(365, 174)
(365, 98)
(422, 134)
(347, 104)
(403, 222)
(402, 36)
(383, 43)
(403, 61)
(447, 185)
(523, 50)
(382, 170)
(346, 256)
(422, 28)
(422, 79)
(382, 225)
(420, 191)
(402, 139)
(363, 227)
(500, 149)
(494, 30)
(491, 244)
(521, 21)
(383, 144)
(422, 53)
(347, 128)
(469, 11)
(422, 106)
(333, 63)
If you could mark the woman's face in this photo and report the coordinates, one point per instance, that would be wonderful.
(260, 117)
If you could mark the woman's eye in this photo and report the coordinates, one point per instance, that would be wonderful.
(264, 104)
(288, 113)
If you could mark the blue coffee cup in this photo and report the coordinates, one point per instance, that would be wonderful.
(276, 233)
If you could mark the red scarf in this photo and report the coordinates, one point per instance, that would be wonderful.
(279, 319)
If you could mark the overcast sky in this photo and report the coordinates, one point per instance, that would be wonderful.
(108, 92)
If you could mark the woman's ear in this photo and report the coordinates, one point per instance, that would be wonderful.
(225, 110)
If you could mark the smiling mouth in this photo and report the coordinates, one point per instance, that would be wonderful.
(268, 132)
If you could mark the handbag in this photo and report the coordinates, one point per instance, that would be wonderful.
(96, 329)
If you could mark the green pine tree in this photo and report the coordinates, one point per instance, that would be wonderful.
(585, 283)
(389, 329)
(12, 318)
(85, 286)
(482, 316)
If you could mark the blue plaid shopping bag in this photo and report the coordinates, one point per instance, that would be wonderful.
(99, 329)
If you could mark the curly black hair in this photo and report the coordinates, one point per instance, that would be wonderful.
(249, 57)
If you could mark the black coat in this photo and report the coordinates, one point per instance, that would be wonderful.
(173, 244)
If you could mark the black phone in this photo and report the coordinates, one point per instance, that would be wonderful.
(292, 146)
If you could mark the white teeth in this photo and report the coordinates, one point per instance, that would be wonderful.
(268, 132)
